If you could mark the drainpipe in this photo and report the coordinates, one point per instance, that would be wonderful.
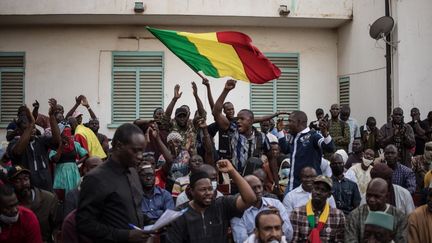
(388, 65)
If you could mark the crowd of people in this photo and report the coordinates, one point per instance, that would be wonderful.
(330, 180)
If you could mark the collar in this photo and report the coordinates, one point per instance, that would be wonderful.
(156, 191)
(304, 131)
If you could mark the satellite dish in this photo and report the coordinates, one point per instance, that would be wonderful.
(381, 27)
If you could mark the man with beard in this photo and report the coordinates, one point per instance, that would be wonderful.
(17, 224)
(398, 133)
(376, 198)
(156, 200)
(361, 171)
(420, 222)
(402, 175)
(93, 124)
(421, 164)
(268, 228)
(111, 194)
(206, 219)
(306, 146)
(331, 221)
(31, 151)
(344, 190)
(244, 226)
(41, 202)
(357, 154)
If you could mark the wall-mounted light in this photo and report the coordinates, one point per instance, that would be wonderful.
(139, 7)
(283, 10)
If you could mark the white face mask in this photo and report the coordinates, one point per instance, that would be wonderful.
(214, 185)
(367, 162)
(9, 220)
(284, 173)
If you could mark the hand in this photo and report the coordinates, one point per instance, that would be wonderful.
(195, 89)
(153, 131)
(177, 94)
(202, 123)
(53, 106)
(136, 235)
(225, 166)
(280, 124)
(230, 84)
(206, 82)
(84, 101)
(30, 117)
(78, 99)
(323, 125)
(36, 104)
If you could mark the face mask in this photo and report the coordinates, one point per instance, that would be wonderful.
(284, 173)
(214, 185)
(367, 162)
(337, 170)
(9, 220)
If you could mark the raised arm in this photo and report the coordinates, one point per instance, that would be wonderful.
(24, 139)
(85, 103)
(207, 142)
(56, 138)
(209, 93)
(220, 119)
(201, 110)
(247, 196)
(73, 109)
(154, 133)
(177, 95)
(268, 117)
(35, 111)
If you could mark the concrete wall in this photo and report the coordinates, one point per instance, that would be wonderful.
(413, 74)
(65, 61)
(363, 59)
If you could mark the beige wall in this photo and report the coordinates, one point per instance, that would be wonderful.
(69, 60)
(363, 60)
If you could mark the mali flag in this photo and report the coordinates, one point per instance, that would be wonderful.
(220, 54)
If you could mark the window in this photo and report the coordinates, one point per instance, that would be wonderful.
(137, 85)
(344, 94)
(11, 85)
(281, 94)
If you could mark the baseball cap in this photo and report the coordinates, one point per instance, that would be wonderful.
(181, 110)
(16, 170)
(324, 179)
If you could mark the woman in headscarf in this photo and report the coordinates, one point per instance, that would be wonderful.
(66, 158)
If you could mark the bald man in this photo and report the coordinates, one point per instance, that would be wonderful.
(307, 146)
(398, 133)
(376, 197)
(244, 226)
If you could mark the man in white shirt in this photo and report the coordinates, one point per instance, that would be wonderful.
(301, 194)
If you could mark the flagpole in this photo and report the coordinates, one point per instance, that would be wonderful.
(199, 74)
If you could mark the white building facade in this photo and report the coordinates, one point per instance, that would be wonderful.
(102, 50)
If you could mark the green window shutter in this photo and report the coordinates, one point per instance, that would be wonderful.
(11, 85)
(137, 85)
(281, 94)
(344, 93)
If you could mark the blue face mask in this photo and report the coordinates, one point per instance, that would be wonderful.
(284, 173)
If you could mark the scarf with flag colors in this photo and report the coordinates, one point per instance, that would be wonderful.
(220, 54)
(314, 236)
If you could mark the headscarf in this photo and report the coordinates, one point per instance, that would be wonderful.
(174, 136)
(67, 133)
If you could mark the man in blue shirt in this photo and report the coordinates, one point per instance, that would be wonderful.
(244, 226)
(345, 191)
(305, 146)
(156, 200)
